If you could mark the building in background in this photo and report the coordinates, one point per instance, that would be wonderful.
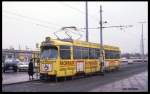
(22, 55)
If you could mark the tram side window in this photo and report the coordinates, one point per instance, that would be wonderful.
(92, 53)
(108, 54)
(65, 52)
(112, 54)
(85, 53)
(117, 55)
(97, 53)
(77, 52)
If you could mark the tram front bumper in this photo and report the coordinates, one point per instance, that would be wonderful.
(46, 76)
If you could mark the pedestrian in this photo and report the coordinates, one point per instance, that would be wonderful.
(30, 69)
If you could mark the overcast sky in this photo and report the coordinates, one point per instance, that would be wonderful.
(28, 23)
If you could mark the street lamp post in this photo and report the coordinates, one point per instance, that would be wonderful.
(142, 43)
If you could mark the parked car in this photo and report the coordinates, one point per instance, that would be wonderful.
(124, 60)
(130, 61)
(22, 66)
(10, 64)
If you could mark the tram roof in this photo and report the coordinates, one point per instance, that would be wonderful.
(82, 43)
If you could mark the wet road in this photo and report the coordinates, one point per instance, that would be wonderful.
(78, 85)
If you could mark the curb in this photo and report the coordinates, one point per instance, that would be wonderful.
(20, 82)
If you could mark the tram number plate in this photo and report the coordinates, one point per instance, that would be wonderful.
(80, 66)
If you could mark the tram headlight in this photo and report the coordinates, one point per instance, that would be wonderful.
(47, 39)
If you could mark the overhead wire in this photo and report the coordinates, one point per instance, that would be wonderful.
(27, 17)
(35, 19)
(67, 5)
(93, 17)
(37, 24)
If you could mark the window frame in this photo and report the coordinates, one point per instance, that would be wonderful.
(49, 51)
(62, 50)
(77, 52)
(109, 54)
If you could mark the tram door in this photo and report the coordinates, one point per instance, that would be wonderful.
(80, 66)
(36, 63)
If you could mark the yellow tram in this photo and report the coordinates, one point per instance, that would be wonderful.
(62, 58)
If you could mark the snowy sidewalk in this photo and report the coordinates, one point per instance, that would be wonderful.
(135, 83)
(9, 77)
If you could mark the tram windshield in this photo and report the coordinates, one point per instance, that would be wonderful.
(49, 52)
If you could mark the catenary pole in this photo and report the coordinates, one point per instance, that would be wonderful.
(86, 7)
(142, 42)
(101, 43)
